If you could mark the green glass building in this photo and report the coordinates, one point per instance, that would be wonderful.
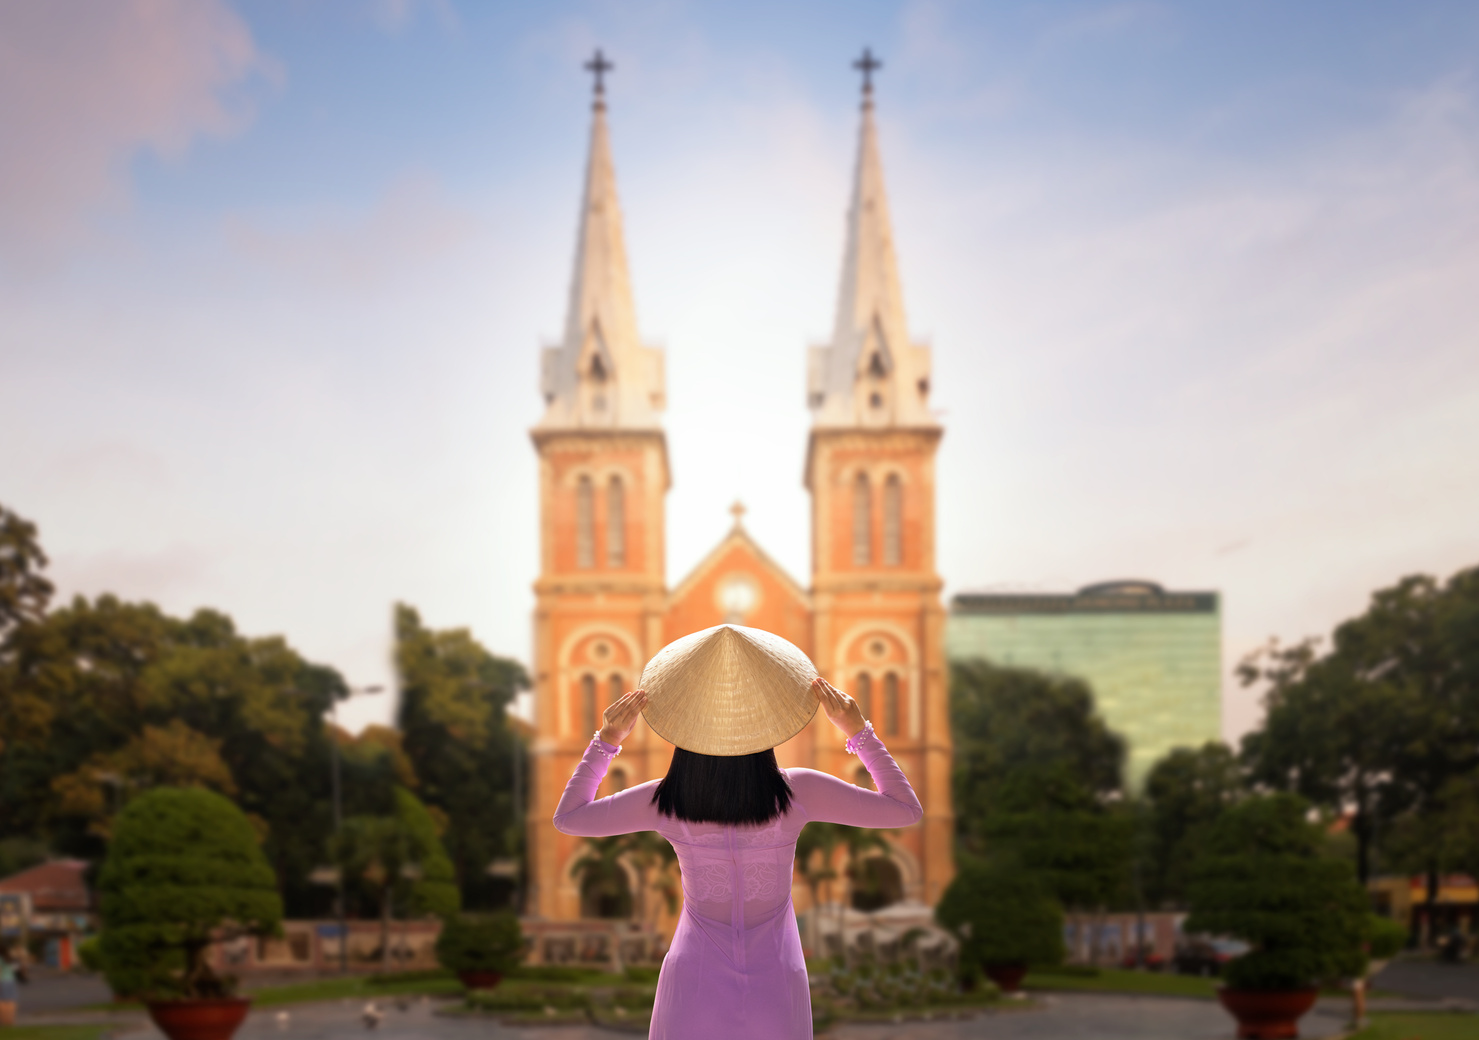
(1152, 657)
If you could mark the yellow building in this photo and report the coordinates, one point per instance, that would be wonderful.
(871, 619)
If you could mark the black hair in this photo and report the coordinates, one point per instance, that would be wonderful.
(723, 788)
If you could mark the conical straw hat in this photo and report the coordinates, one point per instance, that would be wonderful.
(729, 690)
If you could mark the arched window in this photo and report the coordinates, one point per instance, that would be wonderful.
(585, 523)
(616, 524)
(614, 687)
(891, 704)
(862, 778)
(865, 694)
(893, 521)
(617, 781)
(587, 704)
(862, 521)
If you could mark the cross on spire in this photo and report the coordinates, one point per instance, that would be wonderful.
(598, 66)
(737, 511)
(867, 65)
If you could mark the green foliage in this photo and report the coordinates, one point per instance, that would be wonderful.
(1034, 771)
(101, 700)
(90, 953)
(1002, 915)
(18, 854)
(491, 942)
(1385, 938)
(24, 591)
(435, 890)
(1262, 880)
(452, 712)
(1005, 719)
(1386, 721)
(604, 889)
(1045, 822)
(1186, 792)
(183, 864)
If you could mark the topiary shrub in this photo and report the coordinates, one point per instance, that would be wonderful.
(1002, 915)
(484, 942)
(1385, 938)
(183, 870)
(1262, 879)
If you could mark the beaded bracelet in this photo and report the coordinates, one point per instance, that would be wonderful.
(601, 745)
(856, 740)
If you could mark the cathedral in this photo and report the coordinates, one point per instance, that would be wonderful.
(871, 616)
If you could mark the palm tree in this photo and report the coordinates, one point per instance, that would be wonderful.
(379, 851)
(602, 878)
(814, 850)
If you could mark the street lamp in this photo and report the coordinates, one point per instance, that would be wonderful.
(339, 815)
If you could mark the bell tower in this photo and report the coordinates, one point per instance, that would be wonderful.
(603, 478)
(878, 621)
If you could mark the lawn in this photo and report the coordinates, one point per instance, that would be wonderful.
(367, 987)
(1117, 980)
(56, 1032)
(1421, 1025)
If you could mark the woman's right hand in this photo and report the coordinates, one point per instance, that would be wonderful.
(842, 711)
(621, 716)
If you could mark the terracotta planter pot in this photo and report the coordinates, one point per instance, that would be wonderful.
(1007, 976)
(199, 1019)
(1267, 1014)
(480, 978)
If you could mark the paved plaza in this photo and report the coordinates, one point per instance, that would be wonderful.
(1053, 1017)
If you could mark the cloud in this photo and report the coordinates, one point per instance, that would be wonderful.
(393, 16)
(409, 226)
(84, 87)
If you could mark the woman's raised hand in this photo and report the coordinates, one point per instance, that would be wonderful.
(622, 715)
(842, 710)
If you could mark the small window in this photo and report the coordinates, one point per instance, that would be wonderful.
(862, 778)
(891, 704)
(862, 521)
(616, 524)
(585, 523)
(893, 521)
(587, 704)
(614, 687)
(865, 694)
(617, 781)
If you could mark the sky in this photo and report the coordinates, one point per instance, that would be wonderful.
(1199, 281)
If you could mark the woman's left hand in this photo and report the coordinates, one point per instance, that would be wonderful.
(622, 715)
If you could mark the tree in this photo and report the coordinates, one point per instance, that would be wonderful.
(1185, 793)
(1330, 734)
(1001, 915)
(160, 756)
(454, 696)
(604, 889)
(24, 591)
(1264, 881)
(651, 858)
(98, 697)
(1045, 821)
(1006, 719)
(815, 848)
(1387, 719)
(183, 870)
(398, 859)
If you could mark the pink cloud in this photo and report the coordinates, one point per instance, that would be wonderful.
(85, 86)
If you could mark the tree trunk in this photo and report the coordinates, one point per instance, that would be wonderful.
(385, 930)
(1361, 828)
(1430, 907)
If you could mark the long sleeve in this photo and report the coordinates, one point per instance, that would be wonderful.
(830, 800)
(579, 812)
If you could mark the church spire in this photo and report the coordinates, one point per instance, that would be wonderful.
(870, 374)
(600, 374)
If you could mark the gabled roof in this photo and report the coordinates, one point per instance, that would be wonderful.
(739, 537)
(59, 885)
